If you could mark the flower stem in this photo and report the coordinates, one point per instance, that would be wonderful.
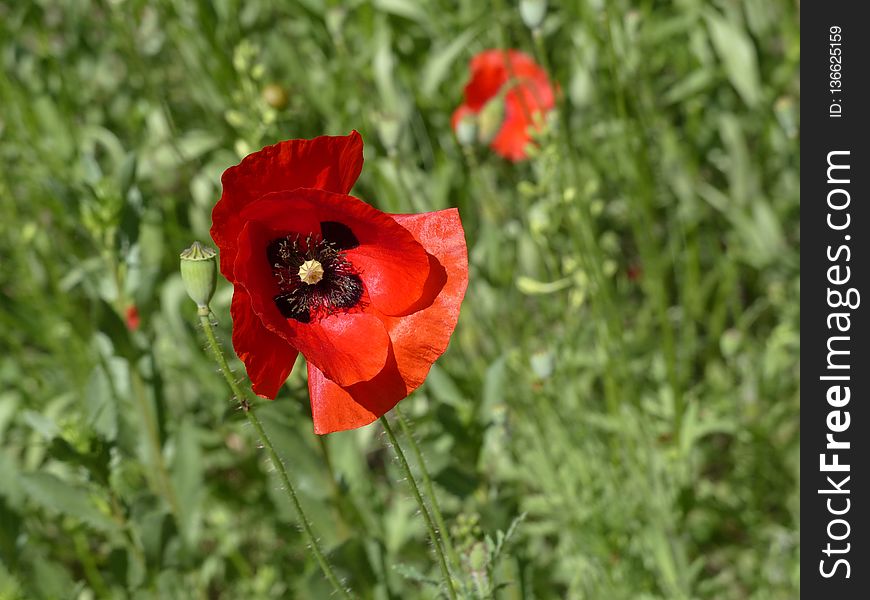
(430, 490)
(430, 525)
(273, 455)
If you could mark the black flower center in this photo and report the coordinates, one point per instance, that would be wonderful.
(314, 278)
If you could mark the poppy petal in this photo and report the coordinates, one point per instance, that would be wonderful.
(268, 358)
(333, 409)
(331, 163)
(523, 106)
(420, 338)
(513, 137)
(491, 69)
(347, 348)
(488, 74)
(336, 408)
(391, 263)
(523, 67)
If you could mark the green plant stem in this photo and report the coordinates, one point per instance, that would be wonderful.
(430, 525)
(273, 455)
(430, 490)
(492, 208)
(589, 251)
(92, 573)
(152, 435)
(131, 541)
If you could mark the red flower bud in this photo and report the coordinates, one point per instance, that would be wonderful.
(131, 317)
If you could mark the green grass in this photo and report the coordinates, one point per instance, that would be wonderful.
(636, 435)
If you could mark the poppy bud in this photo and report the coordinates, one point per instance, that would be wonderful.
(466, 130)
(532, 12)
(275, 96)
(490, 119)
(199, 273)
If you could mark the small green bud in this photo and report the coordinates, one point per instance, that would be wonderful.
(543, 364)
(730, 342)
(275, 96)
(466, 130)
(533, 12)
(199, 273)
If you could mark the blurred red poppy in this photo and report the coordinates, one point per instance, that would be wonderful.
(131, 317)
(508, 93)
(369, 298)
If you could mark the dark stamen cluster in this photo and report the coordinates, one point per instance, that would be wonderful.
(339, 289)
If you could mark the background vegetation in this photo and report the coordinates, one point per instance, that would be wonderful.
(624, 374)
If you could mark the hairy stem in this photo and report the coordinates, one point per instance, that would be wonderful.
(430, 490)
(430, 525)
(273, 455)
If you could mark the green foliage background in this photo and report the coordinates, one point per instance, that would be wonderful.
(624, 373)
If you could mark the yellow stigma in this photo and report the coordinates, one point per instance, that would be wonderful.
(311, 272)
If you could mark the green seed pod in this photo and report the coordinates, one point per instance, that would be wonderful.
(533, 12)
(199, 273)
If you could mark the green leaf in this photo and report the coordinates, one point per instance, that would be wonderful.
(187, 479)
(8, 406)
(440, 385)
(43, 425)
(532, 287)
(9, 475)
(11, 523)
(57, 495)
(411, 573)
(404, 8)
(503, 538)
(51, 580)
(493, 392)
(10, 588)
(440, 59)
(100, 404)
(127, 173)
(737, 53)
(383, 66)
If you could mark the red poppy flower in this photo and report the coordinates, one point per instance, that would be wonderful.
(369, 298)
(511, 86)
(131, 317)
